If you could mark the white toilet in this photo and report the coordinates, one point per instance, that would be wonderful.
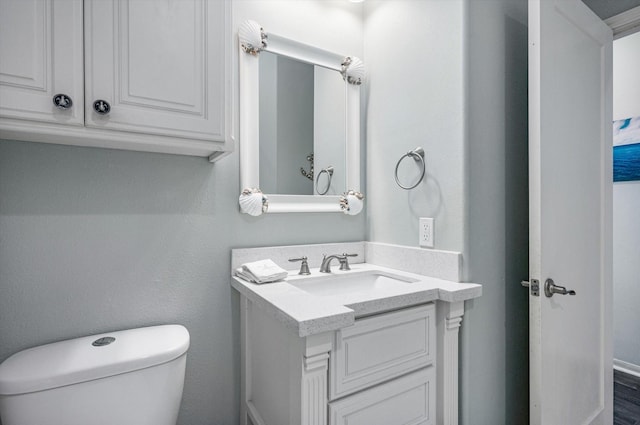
(132, 377)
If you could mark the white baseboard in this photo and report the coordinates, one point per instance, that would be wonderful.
(625, 367)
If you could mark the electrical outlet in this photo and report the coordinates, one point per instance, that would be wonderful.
(426, 232)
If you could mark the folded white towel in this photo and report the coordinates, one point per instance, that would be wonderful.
(263, 271)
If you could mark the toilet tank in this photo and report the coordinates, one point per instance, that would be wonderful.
(131, 377)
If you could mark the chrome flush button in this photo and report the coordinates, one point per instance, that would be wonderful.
(103, 341)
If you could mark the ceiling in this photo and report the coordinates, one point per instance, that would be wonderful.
(608, 8)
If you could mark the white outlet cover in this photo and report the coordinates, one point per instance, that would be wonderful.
(425, 232)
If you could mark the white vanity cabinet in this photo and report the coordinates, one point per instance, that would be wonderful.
(368, 364)
(406, 400)
(379, 371)
(372, 345)
(138, 75)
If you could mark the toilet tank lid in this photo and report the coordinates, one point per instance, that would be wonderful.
(91, 357)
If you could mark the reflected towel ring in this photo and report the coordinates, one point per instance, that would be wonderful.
(329, 171)
(418, 155)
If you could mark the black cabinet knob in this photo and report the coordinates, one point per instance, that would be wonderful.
(101, 107)
(62, 101)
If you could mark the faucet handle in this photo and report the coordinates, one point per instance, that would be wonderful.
(304, 267)
(344, 261)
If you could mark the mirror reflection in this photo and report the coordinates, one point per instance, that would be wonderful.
(302, 127)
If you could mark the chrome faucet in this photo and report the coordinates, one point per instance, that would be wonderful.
(325, 267)
(304, 266)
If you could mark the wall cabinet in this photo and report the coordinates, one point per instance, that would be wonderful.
(40, 56)
(139, 75)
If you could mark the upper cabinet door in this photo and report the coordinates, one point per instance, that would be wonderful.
(41, 57)
(160, 65)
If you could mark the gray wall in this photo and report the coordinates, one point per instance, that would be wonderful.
(495, 332)
(452, 77)
(295, 126)
(626, 204)
(329, 130)
(93, 240)
(268, 118)
(414, 58)
(286, 124)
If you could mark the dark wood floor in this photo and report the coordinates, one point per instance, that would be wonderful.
(626, 399)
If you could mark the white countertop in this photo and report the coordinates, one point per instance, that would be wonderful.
(309, 313)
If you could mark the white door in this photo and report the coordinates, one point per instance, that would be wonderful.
(41, 57)
(570, 113)
(159, 65)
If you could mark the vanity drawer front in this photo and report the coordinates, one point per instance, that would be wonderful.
(379, 348)
(409, 400)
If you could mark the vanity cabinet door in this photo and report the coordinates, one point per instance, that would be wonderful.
(40, 57)
(382, 347)
(159, 65)
(409, 400)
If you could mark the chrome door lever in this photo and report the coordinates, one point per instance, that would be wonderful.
(551, 288)
(534, 284)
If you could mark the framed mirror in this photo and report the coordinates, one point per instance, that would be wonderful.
(299, 126)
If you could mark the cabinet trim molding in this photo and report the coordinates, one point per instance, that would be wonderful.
(33, 131)
(314, 390)
(449, 319)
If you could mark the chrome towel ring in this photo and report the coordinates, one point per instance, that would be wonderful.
(329, 171)
(418, 155)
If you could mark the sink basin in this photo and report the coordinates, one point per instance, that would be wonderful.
(353, 283)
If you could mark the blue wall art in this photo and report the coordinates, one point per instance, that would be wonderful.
(626, 149)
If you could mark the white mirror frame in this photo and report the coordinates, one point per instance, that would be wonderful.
(253, 40)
